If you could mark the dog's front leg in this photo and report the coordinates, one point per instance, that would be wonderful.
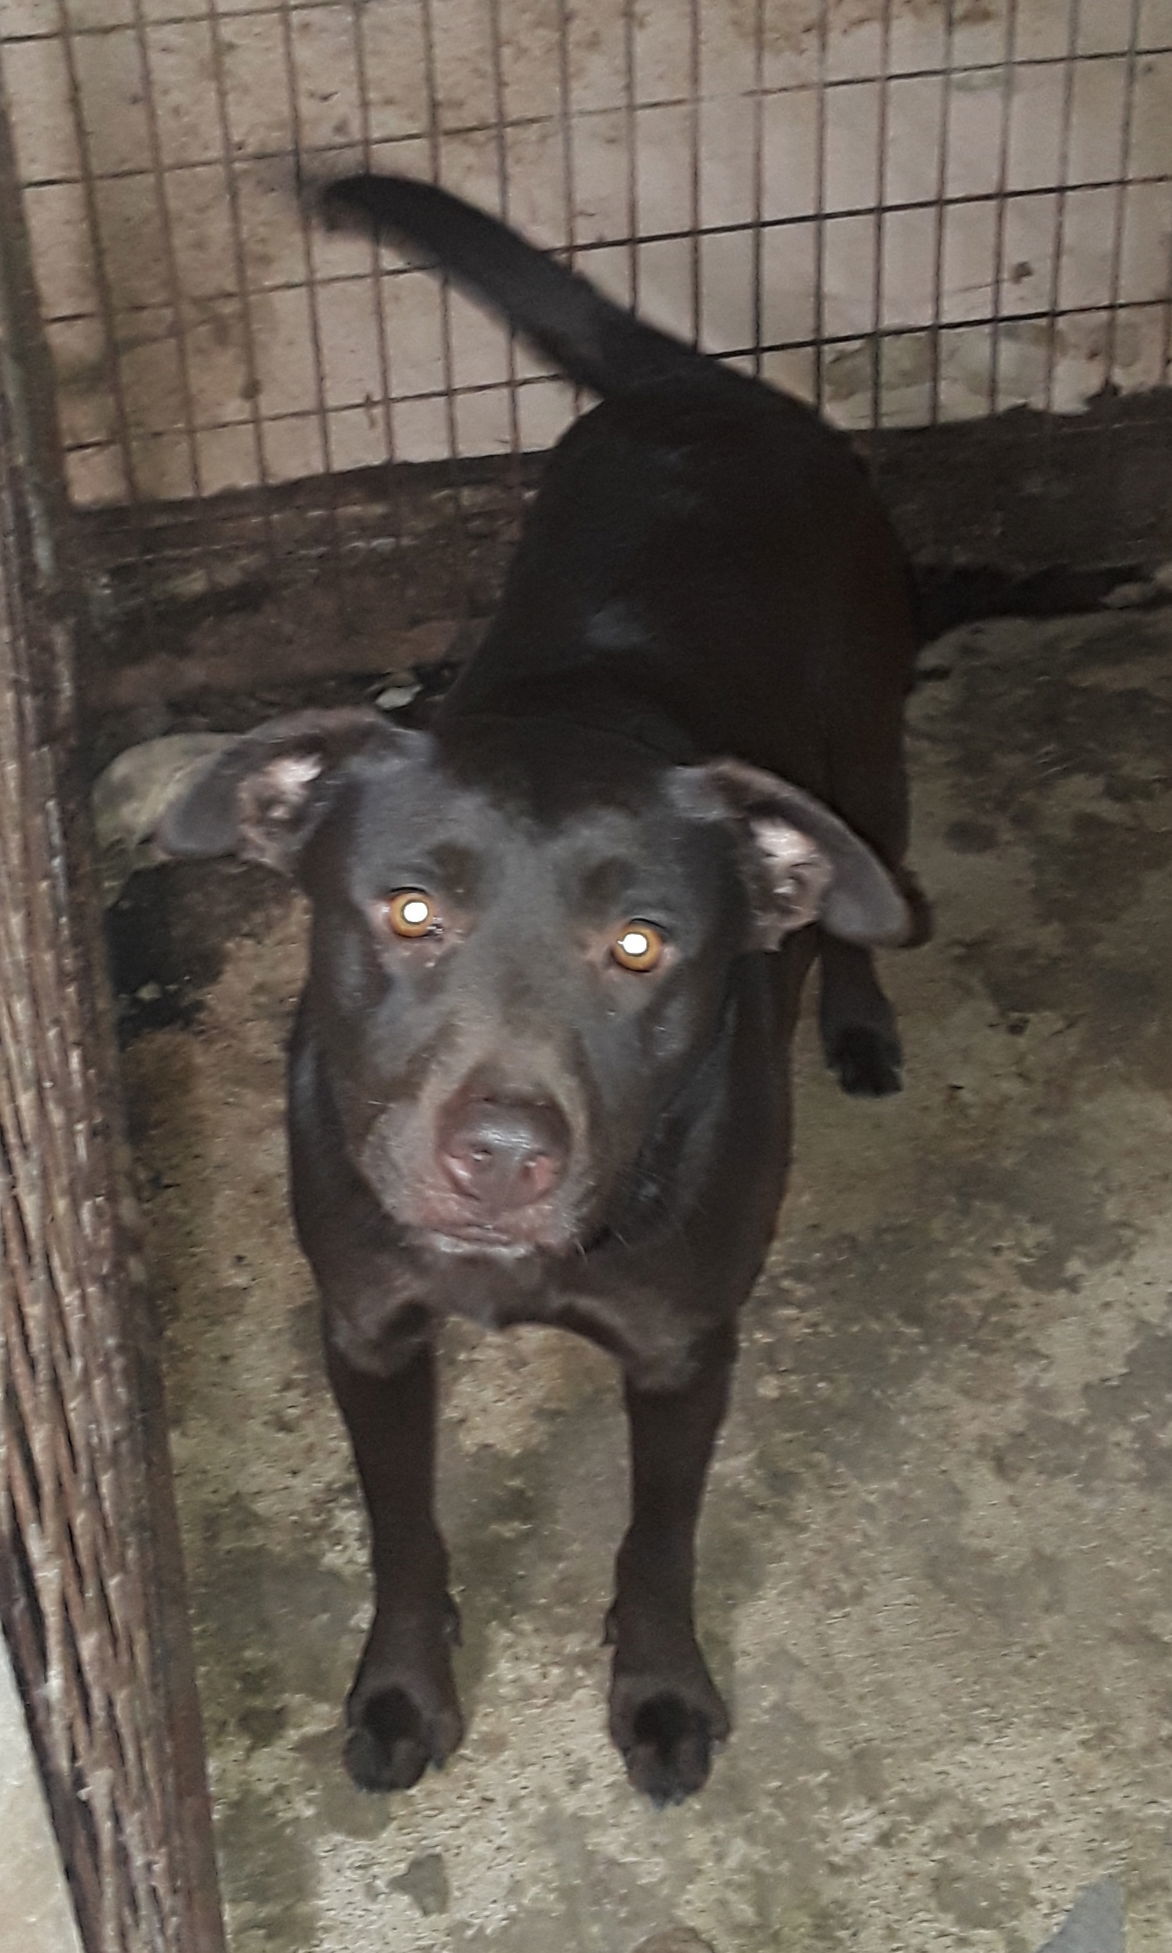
(403, 1709)
(665, 1711)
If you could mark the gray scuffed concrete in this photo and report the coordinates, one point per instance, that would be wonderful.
(1094, 1925)
(35, 1911)
(937, 1559)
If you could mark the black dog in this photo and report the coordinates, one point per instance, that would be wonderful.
(540, 1067)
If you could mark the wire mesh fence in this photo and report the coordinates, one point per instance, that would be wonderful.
(913, 211)
(89, 1581)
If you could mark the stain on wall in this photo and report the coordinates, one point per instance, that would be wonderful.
(908, 209)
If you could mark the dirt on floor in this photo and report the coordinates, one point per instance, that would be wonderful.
(936, 1567)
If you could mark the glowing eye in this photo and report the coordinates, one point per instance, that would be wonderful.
(410, 913)
(640, 947)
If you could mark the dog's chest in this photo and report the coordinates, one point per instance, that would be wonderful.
(493, 1293)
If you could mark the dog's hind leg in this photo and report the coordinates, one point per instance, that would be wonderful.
(860, 1040)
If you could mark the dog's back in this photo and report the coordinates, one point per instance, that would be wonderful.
(706, 564)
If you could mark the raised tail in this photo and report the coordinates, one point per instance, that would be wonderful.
(597, 343)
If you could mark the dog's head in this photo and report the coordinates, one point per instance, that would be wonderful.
(523, 944)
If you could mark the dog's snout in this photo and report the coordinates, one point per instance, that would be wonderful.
(504, 1153)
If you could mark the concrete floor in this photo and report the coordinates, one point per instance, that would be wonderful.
(937, 1558)
(35, 1912)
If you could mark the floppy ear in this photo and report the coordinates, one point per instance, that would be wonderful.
(263, 796)
(803, 864)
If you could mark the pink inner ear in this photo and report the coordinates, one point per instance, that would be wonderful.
(290, 775)
(272, 803)
(797, 872)
(783, 845)
(789, 853)
(278, 791)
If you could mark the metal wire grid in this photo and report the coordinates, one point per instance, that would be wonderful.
(132, 193)
(88, 1555)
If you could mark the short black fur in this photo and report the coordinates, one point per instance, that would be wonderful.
(540, 1070)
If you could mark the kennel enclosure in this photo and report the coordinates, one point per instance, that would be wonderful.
(917, 212)
(949, 223)
(90, 1584)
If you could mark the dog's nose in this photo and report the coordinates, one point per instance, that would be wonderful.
(504, 1153)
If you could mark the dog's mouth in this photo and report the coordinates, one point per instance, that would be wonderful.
(475, 1238)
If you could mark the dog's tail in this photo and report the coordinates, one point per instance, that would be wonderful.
(597, 343)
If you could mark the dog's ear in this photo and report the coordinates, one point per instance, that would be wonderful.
(802, 864)
(262, 797)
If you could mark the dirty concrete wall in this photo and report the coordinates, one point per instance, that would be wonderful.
(938, 180)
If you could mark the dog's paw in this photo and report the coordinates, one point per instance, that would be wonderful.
(867, 1063)
(666, 1735)
(394, 1738)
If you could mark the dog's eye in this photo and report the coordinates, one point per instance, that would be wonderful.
(639, 946)
(410, 913)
